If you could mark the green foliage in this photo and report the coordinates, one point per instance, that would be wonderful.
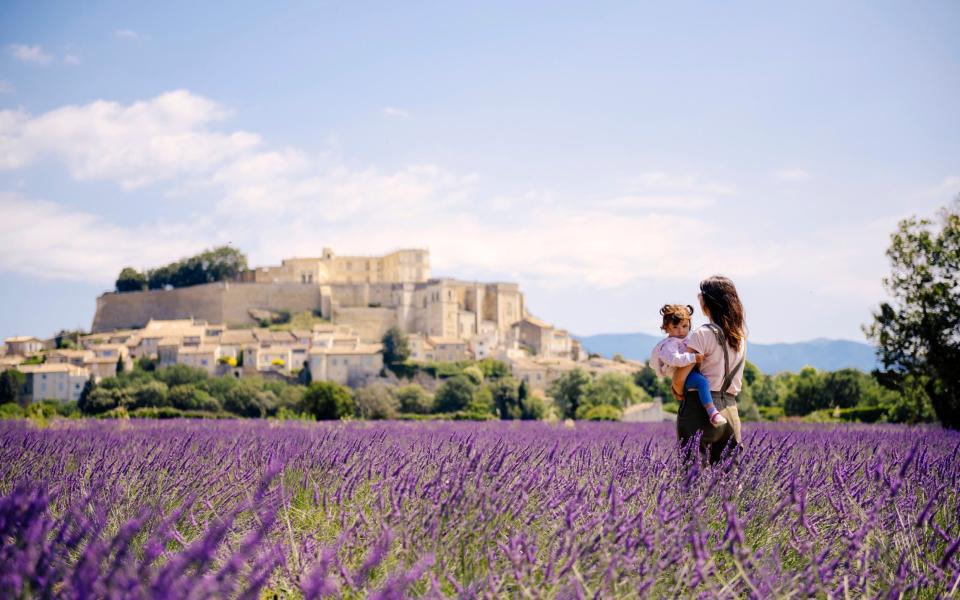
(10, 410)
(45, 409)
(474, 373)
(455, 394)
(493, 369)
(600, 412)
(146, 364)
(912, 405)
(482, 401)
(647, 380)
(305, 377)
(613, 389)
(151, 393)
(131, 280)
(103, 399)
(247, 399)
(189, 397)
(11, 381)
(327, 401)
(180, 374)
(414, 399)
(568, 391)
(37, 359)
(376, 402)
(396, 346)
(217, 264)
(917, 331)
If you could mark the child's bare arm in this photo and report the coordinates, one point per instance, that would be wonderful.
(679, 377)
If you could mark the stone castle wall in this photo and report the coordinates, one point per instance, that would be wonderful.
(221, 302)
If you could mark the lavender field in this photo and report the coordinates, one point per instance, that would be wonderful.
(257, 509)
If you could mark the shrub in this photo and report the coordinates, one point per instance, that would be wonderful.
(375, 402)
(455, 394)
(10, 410)
(414, 399)
(327, 400)
(474, 373)
(188, 397)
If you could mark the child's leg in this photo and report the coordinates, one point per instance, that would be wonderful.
(696, 381)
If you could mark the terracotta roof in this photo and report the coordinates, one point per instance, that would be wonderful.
(535, 321)
(21, 338)
(204, 349)
(359, 349)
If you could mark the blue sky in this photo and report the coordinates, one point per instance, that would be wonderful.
(605, 155)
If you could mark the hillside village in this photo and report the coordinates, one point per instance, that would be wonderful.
(355, 301)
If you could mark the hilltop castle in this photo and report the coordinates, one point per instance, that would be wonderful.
(368, 293)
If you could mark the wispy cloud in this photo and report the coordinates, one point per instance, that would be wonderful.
(30, 54)
(668, 191)
(6, 87)
(794, 174)
(393, 111)
(128, 34)
(71, 59)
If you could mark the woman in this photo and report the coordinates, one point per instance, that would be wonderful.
(723, 344)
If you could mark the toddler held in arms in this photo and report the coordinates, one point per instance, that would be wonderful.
(671, 353)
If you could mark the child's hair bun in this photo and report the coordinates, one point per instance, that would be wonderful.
(690, 308)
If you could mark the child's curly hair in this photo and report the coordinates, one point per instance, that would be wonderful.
(674, 314)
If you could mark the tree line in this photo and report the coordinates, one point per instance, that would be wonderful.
(223, 263)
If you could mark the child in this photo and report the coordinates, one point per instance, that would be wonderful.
(671, 352)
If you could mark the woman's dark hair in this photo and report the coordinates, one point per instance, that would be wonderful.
(722, 302)
(674, 314)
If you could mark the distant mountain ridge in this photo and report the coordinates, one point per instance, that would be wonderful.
(824, 354)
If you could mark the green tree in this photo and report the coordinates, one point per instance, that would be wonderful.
(918, 331)
(844, 388)
(327, 401)
(84, 401)
(223, 263)
(455, 394)
(189, 397)
(613, 389)
(414, 399)
(375, 402)
(482, 401)
(181, 374)
(131, 280)
(151, 393)
(493, 369)
(568, 391)
(807, 393)
(474, 373)
(647, 380)
(396, 346)
(11, 381)
(121, 366)
(248, 400)
(101, 399)
(506, 397)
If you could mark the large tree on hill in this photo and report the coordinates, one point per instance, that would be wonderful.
(131, 280)
(222, 263)
(918, 330)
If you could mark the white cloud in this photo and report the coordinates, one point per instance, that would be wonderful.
(6, 87)
(30, 54)
(148, 141)
(392, 111)
(127, 34)
(795, 175)
(56, 243)
(280, 202)
(71, 59)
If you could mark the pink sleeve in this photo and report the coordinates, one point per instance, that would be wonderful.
(697, 340)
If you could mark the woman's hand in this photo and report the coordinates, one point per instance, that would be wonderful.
(679, 378)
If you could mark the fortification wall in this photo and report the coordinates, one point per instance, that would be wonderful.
(295, 297)
(134, 309)
(369, 323)
(223, 302)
